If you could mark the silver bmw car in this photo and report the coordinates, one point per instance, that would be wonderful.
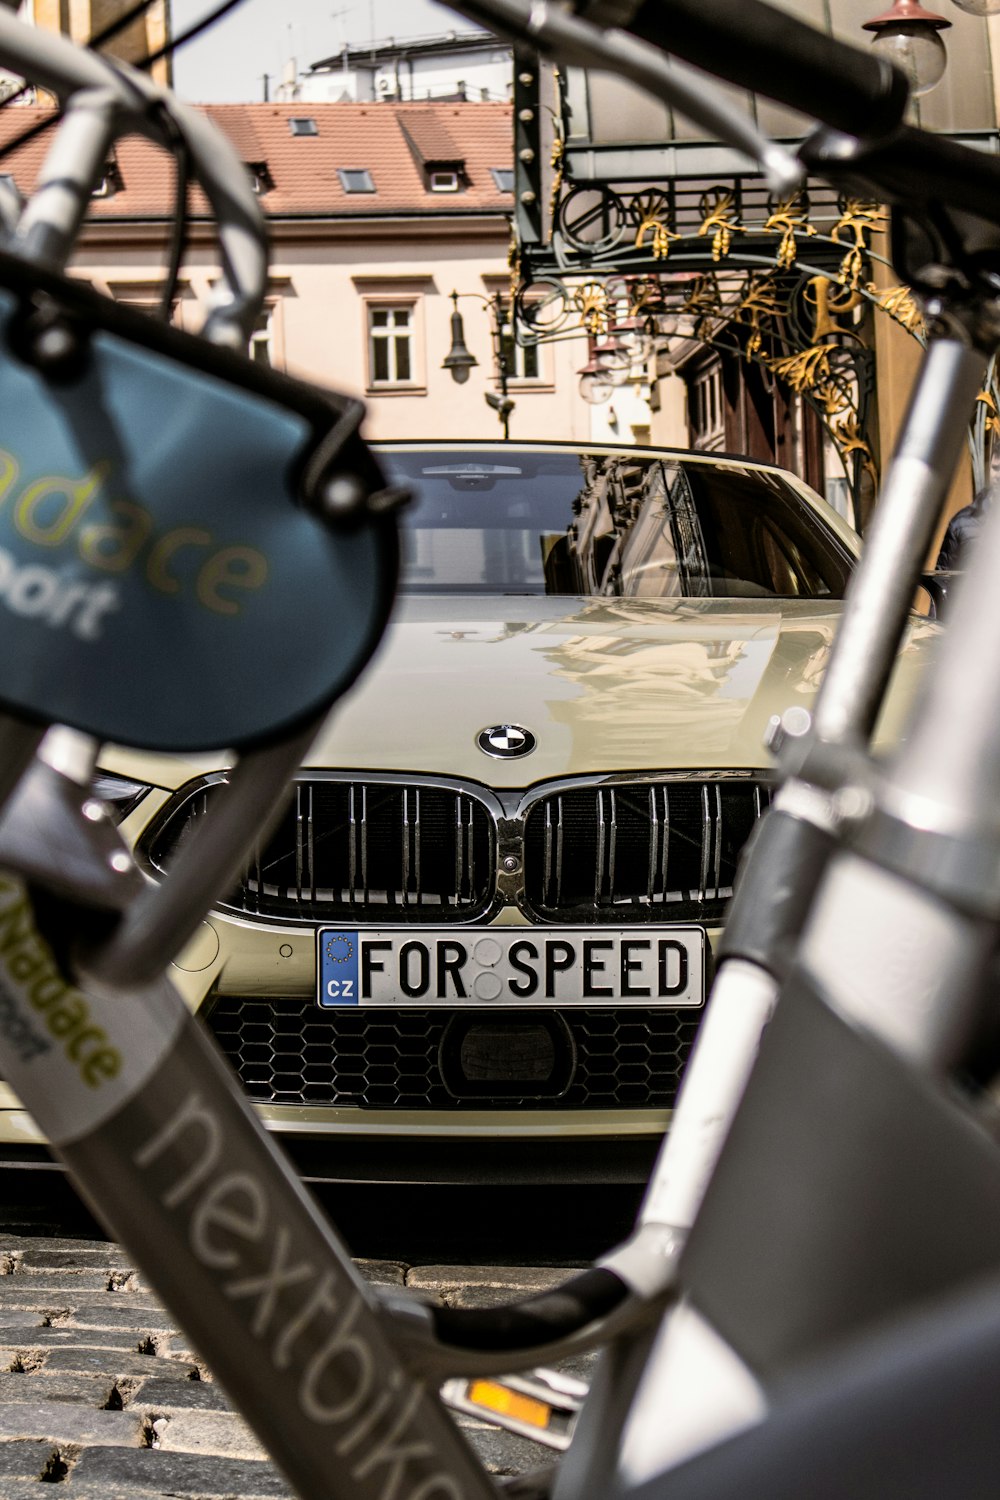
(482, 930)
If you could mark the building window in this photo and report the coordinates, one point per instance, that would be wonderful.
(504, 178)
(260, 340)
(390, 345)
(356, 179)
(146, 296)
(522, 360)
(444, 182)
(302, 125)
(707, 414)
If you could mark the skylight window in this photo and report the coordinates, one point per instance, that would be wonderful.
(356, 179)
(504, 178)
(302, 125)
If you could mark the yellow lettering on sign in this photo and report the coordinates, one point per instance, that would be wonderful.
(48, 525)
(122, 535)
(115, 548)
(9, 470)
(29, 962)
(230, 568)
(165, 549)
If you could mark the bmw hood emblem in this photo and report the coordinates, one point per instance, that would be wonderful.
(504, 741)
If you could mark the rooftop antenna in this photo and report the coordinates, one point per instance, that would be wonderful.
(338, 15)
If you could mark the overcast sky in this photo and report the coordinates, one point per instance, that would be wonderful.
(228, 62)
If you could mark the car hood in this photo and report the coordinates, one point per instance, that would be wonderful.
(602, 684)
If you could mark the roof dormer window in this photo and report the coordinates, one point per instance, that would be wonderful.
(260, 177)
(110, 181)
(443, 181)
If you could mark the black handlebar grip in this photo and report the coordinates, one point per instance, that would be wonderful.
(769, 52)
(915, 169)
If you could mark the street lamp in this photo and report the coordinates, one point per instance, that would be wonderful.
(635, 335)
(460, 360)
(614, 359)
(908, 36)
(595, 383)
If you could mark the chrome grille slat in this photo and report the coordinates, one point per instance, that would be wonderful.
(553, 849)
(299, 834)
(405, 834)
(365, 887)
(416, 868)
(352, 842)
(257, 877)
(706, 844)
(471, 880)
(311, 846)
(601, 843)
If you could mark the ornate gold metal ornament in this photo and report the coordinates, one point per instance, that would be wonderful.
(592, 301)
(786, 284)
(761, 299)
(719, 207)
(790, 217)
(992, 421)
(556, 162)
(900, 303)
(858, 220)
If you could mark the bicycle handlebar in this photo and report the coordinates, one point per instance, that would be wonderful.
(768, 51)
(913, 169)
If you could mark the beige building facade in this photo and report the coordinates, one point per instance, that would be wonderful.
(376, 214)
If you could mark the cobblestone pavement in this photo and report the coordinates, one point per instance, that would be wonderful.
(101, 1392)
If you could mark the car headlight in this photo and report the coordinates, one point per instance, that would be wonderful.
(119, 794)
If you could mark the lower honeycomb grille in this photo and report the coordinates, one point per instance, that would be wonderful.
(292, 1052)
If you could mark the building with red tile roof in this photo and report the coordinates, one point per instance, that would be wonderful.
(376, 213)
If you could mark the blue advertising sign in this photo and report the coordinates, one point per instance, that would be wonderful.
(159, 586)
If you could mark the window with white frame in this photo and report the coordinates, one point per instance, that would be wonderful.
(390, 344)
(523, 362)
(260, 339)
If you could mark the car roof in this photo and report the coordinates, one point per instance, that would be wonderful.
(582, 445)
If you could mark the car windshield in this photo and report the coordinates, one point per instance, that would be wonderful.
(523, 521)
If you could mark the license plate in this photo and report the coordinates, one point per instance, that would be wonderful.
(511, 966)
